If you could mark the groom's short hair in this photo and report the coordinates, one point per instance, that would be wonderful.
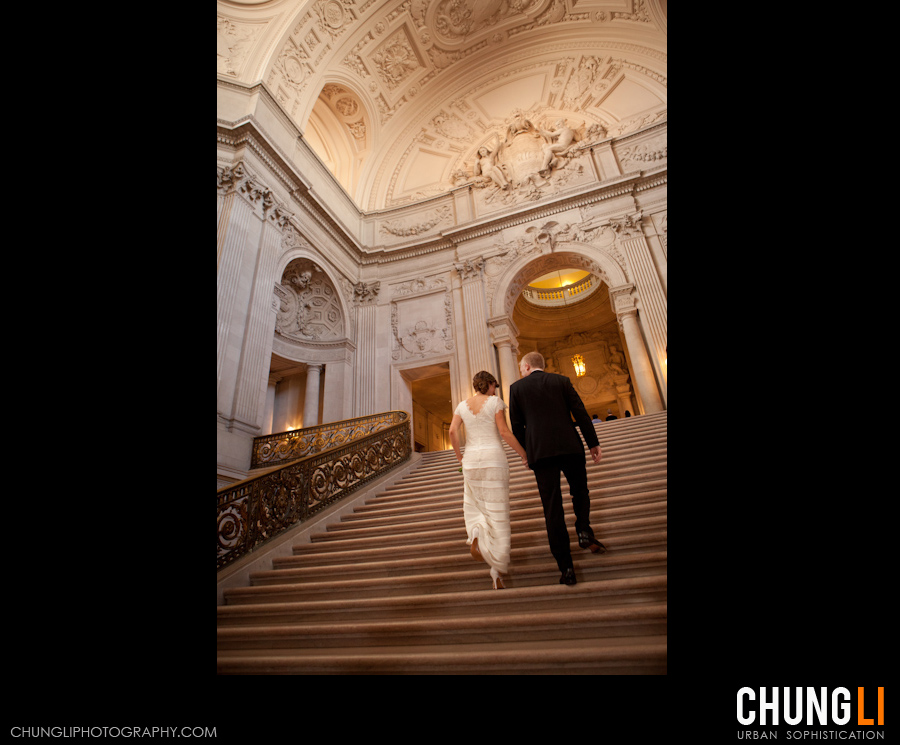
(534, 360)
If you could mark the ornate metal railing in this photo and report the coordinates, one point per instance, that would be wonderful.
(270, 450)
(253, 511)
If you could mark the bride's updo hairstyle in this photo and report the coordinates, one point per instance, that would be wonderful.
(482, 381)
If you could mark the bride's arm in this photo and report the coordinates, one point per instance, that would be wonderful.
(454, 436)
(508, 437)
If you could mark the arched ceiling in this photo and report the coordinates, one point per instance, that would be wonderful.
(397, 96)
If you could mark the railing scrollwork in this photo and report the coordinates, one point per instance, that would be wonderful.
(255, 510)
(270, 450)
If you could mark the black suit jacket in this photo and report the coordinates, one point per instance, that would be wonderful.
(541, 407)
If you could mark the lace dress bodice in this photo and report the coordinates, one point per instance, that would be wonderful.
(484, 446)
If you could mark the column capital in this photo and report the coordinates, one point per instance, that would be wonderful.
(470, 268)
(622, 298)
(366, 293)
(503, 330)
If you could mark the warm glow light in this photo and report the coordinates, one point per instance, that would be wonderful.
(578, 361)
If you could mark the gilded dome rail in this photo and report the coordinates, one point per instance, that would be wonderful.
(556, 297)
(257, 509)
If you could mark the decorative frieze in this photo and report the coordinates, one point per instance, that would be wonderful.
(238, 180)
(405, 228)
(420, 285)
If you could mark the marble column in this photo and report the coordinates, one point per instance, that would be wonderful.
(641, 370)
(269, 415)
(311, 402)
(504, 334)
(624, 303)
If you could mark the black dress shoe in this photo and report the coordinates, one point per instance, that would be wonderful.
(568, 577)
(586, 540)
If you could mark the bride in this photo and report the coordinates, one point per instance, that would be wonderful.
(486, 473)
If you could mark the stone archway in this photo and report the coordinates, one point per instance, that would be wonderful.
(313, 327)
(599, 262)
(303, 276)
(524, 269)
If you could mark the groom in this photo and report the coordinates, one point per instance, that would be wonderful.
(541, 407)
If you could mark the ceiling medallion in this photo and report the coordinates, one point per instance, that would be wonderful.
(333, 14)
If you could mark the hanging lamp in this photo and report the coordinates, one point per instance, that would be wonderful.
(577, 359)
(580, 369)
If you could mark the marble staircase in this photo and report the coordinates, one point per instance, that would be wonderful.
(393, 589)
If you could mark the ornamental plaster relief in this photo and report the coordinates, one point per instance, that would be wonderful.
(293, 65)
(643, 155)
(458, 22)
(607, 375)
(396, 61)
(399, 50)
(413, 226)
(421, 319)
(234, 42)
(350, 111)
(333, 17)
(438, 282)
(309, 309)
(521, 158)
(238, 179)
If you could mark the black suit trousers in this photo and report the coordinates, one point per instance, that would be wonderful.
(546, 473)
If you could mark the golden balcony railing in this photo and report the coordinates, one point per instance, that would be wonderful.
(270, 450)
(558, 296)
(257, 509)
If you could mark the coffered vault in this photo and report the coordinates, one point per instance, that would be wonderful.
(404, 100)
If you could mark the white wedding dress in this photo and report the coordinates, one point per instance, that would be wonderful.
(486, 483)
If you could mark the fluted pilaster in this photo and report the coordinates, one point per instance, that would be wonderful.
(366, 297)
(654, 311)
(479, 347)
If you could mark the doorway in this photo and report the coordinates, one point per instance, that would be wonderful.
(432, 407)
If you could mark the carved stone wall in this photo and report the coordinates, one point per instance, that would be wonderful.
(606, 381)
(421, 319)
(309, 309)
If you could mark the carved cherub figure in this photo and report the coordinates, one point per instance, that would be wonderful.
(563, 136)
(487, 165)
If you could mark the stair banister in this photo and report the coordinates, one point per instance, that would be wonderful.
(259, 508)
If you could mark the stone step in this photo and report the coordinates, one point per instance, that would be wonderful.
(391, 587)
(507, 626)
(327, 599)
(629, 655)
